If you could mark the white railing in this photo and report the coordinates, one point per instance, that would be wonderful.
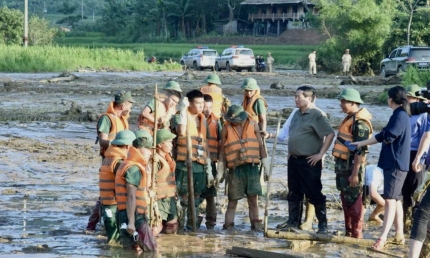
(275, 16)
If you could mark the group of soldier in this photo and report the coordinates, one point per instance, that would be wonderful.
(144, 177)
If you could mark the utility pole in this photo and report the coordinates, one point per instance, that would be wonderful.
(93, 16)
(25, 39)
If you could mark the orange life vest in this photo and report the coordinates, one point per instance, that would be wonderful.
(166, 182)
(142, 197)
(248, 105)
(213, 137)
(117, 124)
(113, 155)
(198, 141)
(345, 132)
(216, 93)
(241, 149)
(162, 111)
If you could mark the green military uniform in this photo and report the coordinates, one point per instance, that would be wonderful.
(259, 107)
(104, 124)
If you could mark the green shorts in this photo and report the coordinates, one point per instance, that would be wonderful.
(167, 208)
(199, 179)
(243, 181)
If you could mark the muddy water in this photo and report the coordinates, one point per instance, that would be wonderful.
(49, 180)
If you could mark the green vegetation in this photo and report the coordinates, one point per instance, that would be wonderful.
(414, 76)
(54, 59)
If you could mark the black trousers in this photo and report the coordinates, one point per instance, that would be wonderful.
(421, 219)
(304, 179)
(412, 182)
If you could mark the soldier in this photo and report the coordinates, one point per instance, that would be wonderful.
(270, 61)
(312, 63)
(241, 151)
(255, 104)
(215, 92)
(350, 166)
(191, 119)
(114, 120)
(114, 155)
(214, 142)
(310, 136)
(165, 181)
(165, 108)
(132, 195)
(346, 62)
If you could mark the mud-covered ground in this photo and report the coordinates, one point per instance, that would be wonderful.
(49, 164)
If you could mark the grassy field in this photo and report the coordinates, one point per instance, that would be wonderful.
(283, 54)
(57, 58)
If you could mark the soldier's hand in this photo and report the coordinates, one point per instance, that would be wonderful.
(353, 181)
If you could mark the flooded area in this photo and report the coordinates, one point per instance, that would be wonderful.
(49, 166)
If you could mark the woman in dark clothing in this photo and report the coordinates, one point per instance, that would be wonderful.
(394, 160)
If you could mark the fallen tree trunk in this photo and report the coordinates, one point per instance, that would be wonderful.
(61, 79)
(253, 253)
(318, 237)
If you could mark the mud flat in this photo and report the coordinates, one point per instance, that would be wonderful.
(49, 164)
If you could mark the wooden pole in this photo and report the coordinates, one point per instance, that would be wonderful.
(191, 201)
(318, 237)
(154, 151)
(266, 208)
(25, 38)
(254, 253)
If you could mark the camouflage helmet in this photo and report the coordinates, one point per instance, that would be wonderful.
(350, 94)
(172, 85)
(143, 139)
(124, 137)
(213, 78)
(164, 135)
(250, 84)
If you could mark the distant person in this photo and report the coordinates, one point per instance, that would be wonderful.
(270, 61)
(346, 62)
(312, 63)
(374, 190)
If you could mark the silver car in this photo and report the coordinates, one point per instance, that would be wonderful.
(200, 57)
(400, 58)
(236, 58)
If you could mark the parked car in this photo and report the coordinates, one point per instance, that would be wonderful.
(402, 57)
(235, 58)
(200, 57)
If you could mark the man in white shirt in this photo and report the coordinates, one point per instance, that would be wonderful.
(373, 189)
(313, 62)
(346, 62)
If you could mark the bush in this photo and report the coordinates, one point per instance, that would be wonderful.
(414, 76)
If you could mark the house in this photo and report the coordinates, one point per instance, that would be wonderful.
(275, 16)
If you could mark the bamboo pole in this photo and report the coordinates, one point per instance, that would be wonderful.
(153, 221)
(191, 201)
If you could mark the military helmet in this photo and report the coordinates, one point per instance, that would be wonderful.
(164, 135)
(143, 139)
(250, 84)
(350, 94)
(172, 85)
(124, 137)
(412, 89)
(213, 78)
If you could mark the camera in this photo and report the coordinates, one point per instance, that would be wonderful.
(424, 92)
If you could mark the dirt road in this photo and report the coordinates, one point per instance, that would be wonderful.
(49, 164)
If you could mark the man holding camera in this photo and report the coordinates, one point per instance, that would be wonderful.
(349, 164)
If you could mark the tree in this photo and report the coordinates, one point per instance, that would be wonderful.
(11, 26)
(409, 7)
(362, 26)
(39, 32)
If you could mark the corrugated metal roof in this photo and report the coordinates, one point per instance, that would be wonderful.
(271, 2)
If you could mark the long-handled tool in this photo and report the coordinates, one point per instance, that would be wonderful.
(266, 213)
(191, 201)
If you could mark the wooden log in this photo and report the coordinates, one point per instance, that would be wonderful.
(299, 245)
(253, 253)
(63, 79)
(318, 237)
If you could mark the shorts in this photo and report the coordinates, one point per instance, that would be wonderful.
(167, 208)
(243, 181)
(199, 180)
(393, 183)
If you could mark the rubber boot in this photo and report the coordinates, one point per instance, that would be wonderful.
(321, 213)
(293, 216)
(348, 218)
(356, 212)
(310, 214)
(95, 217)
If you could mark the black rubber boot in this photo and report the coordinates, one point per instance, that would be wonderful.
(321, 214)
(293, 221)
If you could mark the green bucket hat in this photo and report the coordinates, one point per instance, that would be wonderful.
(412, 89)
(350, 94)
(164, 135)
(172, 85)
(123, 96)
(213, 78)
(235, 114)
(143, 139)
(124, 137)
(250, 84)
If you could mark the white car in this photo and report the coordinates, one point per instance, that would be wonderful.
(200, 57)
(236, 58)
